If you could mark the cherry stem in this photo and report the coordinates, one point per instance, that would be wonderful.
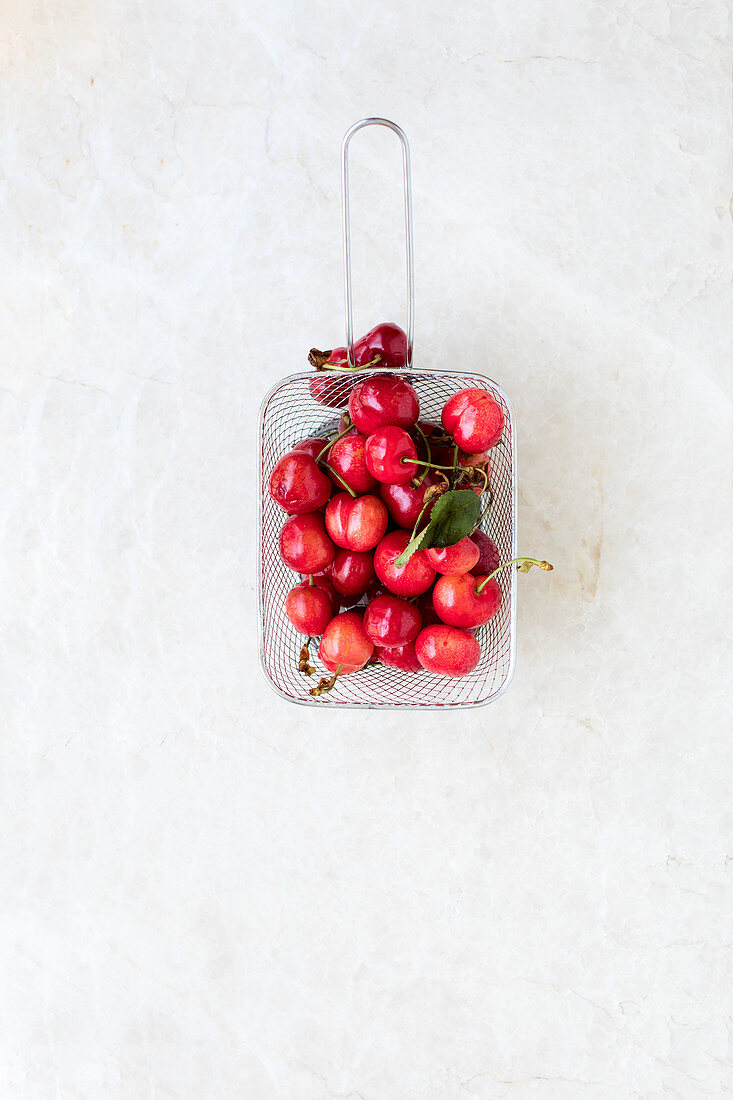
(311, 582)
(419, 462)
(424, 474)
(484, 514)
(340, 480)
(343, 365)
(532, 561)
(326, 684)
(331, 442)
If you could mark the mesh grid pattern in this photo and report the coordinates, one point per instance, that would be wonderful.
(289, 413)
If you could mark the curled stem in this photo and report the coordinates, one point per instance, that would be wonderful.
(304, 664)
(326, 684)
(524, 567)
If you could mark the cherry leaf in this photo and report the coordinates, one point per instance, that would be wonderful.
(454, 515)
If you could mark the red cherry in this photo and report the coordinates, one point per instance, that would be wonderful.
(330, 388)
(459, 604)
(351, 572)
(380, 401)
(297, 485)
(348, 459)
(304, 544)
(385, 450)
(474, 419)
(322, 580)
(455, 559)
(356, 524)
(447, 651)
(489, 559)
(312, 445)
(405, 503)
(399, 656)
(387, 342)
(309, 608)
(390, 621)
(411, 579)
(345, 643)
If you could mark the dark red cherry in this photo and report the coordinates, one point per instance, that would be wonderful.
(405, 503)
(489, 559)
(351, 572)
(312, 445)
(385, 343)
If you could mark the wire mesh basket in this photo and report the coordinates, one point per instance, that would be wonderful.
(289, 412)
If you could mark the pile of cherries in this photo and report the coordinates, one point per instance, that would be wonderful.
(357, 505)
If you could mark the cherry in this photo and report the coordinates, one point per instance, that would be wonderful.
(390, 621)
(382, 400)
(489, 558)
(312, 445)
(474, 419)
(345, 647)
(309, 608)
(455, 559)
(297, 485)
(356, 524)
(447, 651)
(406, 503)
(305, 545)
(399, 656)
(328, 387)
(387, 343)
(322, 580)
(347, 459)
(411, 579)
(461, 601)
(351, 572)
(390, 455)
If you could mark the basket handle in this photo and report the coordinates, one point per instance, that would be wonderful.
(410, 263)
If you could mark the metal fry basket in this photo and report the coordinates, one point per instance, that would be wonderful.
(288, 413)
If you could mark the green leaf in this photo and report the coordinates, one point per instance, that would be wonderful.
(454, 515)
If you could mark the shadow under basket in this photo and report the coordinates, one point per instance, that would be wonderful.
(288, 414)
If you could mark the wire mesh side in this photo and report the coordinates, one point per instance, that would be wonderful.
(289, 413)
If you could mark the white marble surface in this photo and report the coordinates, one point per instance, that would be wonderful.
(208, 892)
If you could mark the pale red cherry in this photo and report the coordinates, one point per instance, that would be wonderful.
(297, 484)
(405, 503)
(351, 572)
(312, 445)
(474, 419)
(402, 657)
(411, 579)
(390, 455)
(345, 643)
(382, 400)
(489, 559)
(390, 621)
(356, 524)
(465, 601)
(305, 545)
(459, 558)
(309, 608)
(347, 458)
(447, 651)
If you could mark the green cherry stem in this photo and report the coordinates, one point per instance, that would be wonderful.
(340, 480)
(331, 442)
(326, 684)
(528, 561)
(419, 462)
(311, 582)
(424, 474)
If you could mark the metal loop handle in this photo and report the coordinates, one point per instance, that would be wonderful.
(407, 183)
